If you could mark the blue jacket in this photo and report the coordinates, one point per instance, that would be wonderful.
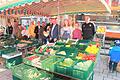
(115, 54)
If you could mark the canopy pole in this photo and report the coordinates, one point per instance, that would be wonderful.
(58, 16)
(58, 13)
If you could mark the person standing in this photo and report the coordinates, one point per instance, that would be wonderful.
(77, 33)
(54, 33)
(39, 33)
(88, 29)
(47, 33)
(31, 30)
(66, 30)
(9, 29)
(114, 58)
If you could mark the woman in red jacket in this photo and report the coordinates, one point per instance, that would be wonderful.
(77, 33)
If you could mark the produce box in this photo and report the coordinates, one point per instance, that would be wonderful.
(2, 49)
(71, 41)
(93, 48)
(49, 51)
(67, 51)
(8, 50)
(83, 55)
(65, 66)
(81, 47)
(41, 49)
(15, 78)
(13, 61)
(18, 70)
(84, 42)
(59, 43)
(82, 69)
(34, 74)
(35, 60)
(49, 63)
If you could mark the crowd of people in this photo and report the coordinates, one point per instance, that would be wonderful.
(51, 32)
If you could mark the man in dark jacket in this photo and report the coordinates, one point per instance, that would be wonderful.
(54, 33)
(88, 29)
(39, 32)
(9, 29)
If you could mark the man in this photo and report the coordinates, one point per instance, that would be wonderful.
(54, 33)
(88, 29)
(114, 56)
(9, 29)
(39, 32)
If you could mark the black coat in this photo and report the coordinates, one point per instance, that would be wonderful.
(88, 30)
(9, 30)
(37, 33)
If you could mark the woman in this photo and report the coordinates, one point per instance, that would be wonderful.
(66, 30)
(77, 33)
(31, 30)
(47, 33)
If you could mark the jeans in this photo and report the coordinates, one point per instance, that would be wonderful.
(112, 65)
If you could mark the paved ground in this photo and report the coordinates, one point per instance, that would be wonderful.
(5, 74)
(101, 71)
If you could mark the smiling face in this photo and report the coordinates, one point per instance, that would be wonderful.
(54, 21)
(87, 19)
(66, 22)
(76, 25)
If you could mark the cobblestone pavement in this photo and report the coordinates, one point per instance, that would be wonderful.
(101, 71)
(5, 74)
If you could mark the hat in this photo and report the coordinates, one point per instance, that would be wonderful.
(53, 17)
(117, 42)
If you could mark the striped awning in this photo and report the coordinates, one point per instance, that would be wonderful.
(53, 7)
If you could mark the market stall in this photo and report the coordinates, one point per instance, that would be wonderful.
(71, 59)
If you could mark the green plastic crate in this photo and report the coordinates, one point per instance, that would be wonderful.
(13, 61)
(7, 50)
(59, 43)
(34, 74)
(42, 53)
(29, 62)
(18, 70)
(70, 51)
(81, 74)
(64, 69)
(49, 63)
(83, 41)
(81, 47)
(15, 78)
